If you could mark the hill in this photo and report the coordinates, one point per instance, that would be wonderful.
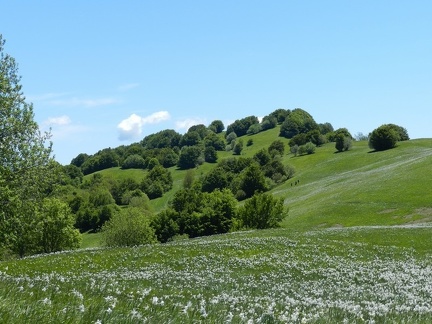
(355, 248)
(356, 187)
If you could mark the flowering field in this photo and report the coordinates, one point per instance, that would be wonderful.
(379, 274)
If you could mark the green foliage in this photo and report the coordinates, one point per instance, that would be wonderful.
(165, 138)
(401, 131)
(190, 157)
(299, 140)
(343, 143)
(268, 122)
(280, 114)
(128, 227)
(217, 126)
(325, 128)
(298, 121)
(262, 157)
(191, 138)
(231, 137)
(134, 161)
(254, 129)
(276, 148)
(80, 159)
(196, 214)
(27, 170)
(189, 179)
(253, 180)
(210, 154)
(238, 147)
(214, 141)
(262, 211)
(165, 225)
(54, 227)
(102, 160)
(241, 126)
(383, 138)
(217, 178)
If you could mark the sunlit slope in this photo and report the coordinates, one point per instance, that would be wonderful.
(357, 187)
(360, 187)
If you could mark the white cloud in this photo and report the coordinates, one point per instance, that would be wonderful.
(131, 127)
(60, 121)
(185, 124)
(89, 103)
(65, 99)
(128, 86)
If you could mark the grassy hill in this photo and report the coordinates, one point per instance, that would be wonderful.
(355, 248)
(357, 187)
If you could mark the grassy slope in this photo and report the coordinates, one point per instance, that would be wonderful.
(357, 274)
(352, 188)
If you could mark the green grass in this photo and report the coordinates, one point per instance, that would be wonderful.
(355, 248)
(356, 275)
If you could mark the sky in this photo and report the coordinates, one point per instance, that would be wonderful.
(108, 73)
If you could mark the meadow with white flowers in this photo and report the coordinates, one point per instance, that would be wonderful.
(352, 275)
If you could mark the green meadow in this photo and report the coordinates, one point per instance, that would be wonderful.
(356, 247)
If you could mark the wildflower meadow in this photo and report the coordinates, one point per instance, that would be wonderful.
(351, 275)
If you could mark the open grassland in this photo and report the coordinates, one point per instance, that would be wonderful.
(360, 187)
(354, 275)
(355, 248)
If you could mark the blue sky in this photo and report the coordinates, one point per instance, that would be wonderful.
(107, 73)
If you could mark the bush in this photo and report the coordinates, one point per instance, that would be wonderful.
(134, 161)
(383, 138)
(128, 227)
(310, 148)
(262, 211)
(343, 143)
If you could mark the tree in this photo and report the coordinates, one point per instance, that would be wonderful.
(217, 126)
(165, 138)
(241, 126)
(262, 211)
(343, 143)
(55, 227)
(215, 141)
(268, 122)
(276, 148)
(402, 132)
(280, 114)
(128, 227)
(189, 157)
(383, 138)
(238, 147)
(210, 154)
(298, 121)
(134, 161)
(253, 180)
(262, 157)
(27, 169)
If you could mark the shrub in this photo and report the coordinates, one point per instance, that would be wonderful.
(343, 143)
(262, 211)
(310, 148)
(128, 227)
(383, 138)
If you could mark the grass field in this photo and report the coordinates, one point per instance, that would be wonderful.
(353, 275)
(355, 248)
